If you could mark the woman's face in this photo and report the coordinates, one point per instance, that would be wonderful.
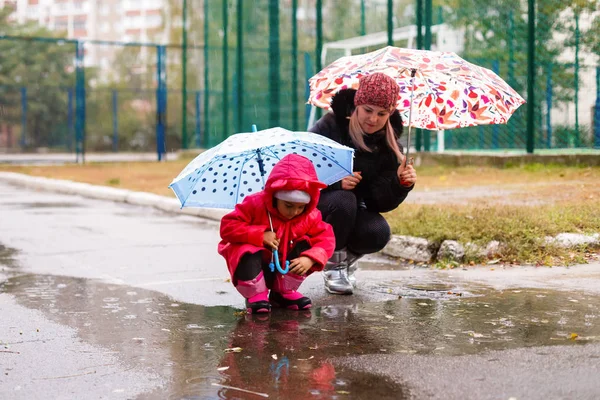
(372, 118)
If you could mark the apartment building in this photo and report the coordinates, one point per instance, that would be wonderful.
(108, 20)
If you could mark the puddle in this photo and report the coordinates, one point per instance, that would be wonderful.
(210, 352)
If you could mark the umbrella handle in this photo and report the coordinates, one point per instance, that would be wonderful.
(413, 72)
(278, 265)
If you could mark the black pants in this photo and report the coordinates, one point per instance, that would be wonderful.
(251, 264)
(355, 228)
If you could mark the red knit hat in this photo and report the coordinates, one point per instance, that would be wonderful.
(377, 89)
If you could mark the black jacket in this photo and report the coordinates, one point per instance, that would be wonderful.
(380, 188)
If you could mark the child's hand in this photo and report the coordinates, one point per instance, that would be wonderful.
(270, 240)
(301, 265)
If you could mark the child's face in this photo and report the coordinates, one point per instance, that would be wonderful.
(289, 209)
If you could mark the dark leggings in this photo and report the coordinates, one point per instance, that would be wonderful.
(359, 230)
(251, 264)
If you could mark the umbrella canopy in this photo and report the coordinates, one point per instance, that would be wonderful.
(438, 90)
(222, 176)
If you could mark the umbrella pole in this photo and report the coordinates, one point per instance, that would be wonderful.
(413, 72)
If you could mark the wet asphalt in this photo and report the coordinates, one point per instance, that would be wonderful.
(106, 300)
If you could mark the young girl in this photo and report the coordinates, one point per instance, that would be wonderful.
(282, 217)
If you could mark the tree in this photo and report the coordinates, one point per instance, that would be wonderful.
(44, 73)
(486, 43)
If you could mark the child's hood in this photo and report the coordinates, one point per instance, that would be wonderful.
(294, 172)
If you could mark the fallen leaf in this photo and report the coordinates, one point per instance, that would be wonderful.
(233, 350)
(574, 336)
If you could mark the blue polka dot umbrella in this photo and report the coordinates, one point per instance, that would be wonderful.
(239, 166)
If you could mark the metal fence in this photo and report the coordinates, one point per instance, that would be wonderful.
(241, 63)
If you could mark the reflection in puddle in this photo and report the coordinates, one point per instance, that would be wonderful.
(214, 352)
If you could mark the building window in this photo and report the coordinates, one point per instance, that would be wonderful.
(61, 25)
(79, 24)
(153, 20)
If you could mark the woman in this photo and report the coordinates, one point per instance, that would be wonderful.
(366, 120)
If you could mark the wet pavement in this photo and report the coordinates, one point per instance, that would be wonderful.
(199, 352)
(103, 300)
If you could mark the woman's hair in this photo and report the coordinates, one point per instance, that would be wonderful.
(357, 135)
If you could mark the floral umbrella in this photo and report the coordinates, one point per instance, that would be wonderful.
(438, 90)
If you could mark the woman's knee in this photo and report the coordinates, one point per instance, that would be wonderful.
(338, 204)
(371, 234)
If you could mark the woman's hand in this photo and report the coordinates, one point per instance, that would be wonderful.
(301, 265)
(270, 240)
(350, 182)
(406, 174)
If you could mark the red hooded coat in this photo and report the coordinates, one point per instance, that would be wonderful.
(242, 229)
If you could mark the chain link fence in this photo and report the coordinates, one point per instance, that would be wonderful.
(248, 63)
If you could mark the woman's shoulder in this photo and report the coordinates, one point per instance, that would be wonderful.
(328, 126)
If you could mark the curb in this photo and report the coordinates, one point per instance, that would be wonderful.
(162, 203)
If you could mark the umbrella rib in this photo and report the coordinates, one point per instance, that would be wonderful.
(270, 150)
(237, 193)
(214, 160)
(329, 158)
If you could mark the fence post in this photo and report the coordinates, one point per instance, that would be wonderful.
(428, 22)
(427, 39)
(308, 72)
(198, 131)
(294, 65)
(79, 101)
(274, 62)
(549, 107)
(390, 22)
(70, 125)
(184, 136)
(115, 112)
(531, 76)
(161, 101)
(319, 46)
(240, 68)
(419, 23)
(577, 35)
(363, 26)
(23, 117)
(225, 72)
(207, 141)
(597, 111)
